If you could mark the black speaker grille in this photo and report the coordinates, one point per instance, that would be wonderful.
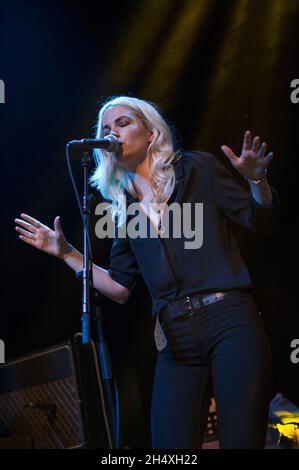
(54, 398)
(49, 414)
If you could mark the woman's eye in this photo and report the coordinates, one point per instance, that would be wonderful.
(123, 124)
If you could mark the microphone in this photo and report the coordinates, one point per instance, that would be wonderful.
(109, 143)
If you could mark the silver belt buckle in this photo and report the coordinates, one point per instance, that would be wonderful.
(188, 307)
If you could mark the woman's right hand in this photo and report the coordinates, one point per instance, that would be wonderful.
(40, 236)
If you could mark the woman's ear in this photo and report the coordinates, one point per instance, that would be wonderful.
(151, 136)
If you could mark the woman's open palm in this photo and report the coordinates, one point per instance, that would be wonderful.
(36, 234)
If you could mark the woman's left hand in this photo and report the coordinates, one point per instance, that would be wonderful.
(253, 160)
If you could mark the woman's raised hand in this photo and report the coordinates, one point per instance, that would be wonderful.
(36, 234)
(253, 161)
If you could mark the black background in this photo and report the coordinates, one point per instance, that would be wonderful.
(216, 68)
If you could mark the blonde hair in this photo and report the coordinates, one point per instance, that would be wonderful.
(111, 179)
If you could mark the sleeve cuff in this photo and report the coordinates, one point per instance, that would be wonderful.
(122, 279)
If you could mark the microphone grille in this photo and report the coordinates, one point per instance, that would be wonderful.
(114, 142)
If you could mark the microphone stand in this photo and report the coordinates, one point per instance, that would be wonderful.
(86, 272)
(110, 389)
(110, 393)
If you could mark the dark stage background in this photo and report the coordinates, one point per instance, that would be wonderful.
(216, 68)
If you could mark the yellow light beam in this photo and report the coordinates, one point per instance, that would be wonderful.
(164, 75)
(139, 34)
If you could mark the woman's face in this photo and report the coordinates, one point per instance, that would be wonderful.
(131, 133)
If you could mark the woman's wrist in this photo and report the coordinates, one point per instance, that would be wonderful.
(257, 181)
(262, 192)
(68, 249)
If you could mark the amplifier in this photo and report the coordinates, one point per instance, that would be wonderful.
(55, 398)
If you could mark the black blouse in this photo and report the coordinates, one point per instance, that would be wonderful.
(172, 271)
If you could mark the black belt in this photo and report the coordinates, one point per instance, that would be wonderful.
(185, 307)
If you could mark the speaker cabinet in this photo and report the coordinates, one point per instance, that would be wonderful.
(55, 399)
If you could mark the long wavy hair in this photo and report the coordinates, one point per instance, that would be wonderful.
(112, 179)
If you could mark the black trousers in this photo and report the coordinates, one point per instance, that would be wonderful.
(223, 347)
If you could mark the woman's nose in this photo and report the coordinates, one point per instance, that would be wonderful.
(114, 132)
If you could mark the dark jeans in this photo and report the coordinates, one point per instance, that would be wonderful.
(222, 346)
